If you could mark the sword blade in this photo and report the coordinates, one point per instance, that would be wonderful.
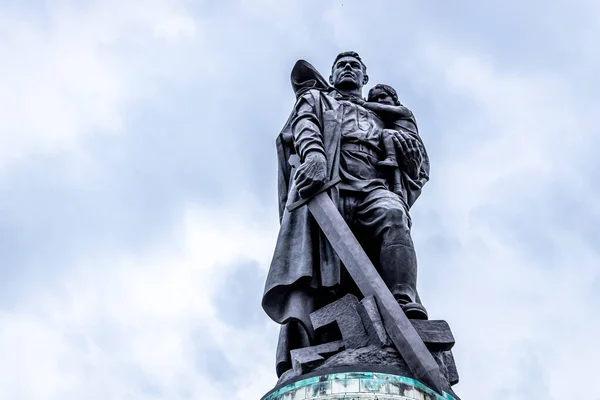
(361, 269)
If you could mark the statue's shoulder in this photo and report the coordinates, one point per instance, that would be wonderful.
(316, 94)
(318, 98)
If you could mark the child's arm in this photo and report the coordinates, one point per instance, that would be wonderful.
(394, 112)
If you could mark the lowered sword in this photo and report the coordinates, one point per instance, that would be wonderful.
(361, 269)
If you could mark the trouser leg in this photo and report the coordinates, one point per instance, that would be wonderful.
(384, 229)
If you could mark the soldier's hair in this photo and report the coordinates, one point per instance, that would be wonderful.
(350, 54)
(386, 88)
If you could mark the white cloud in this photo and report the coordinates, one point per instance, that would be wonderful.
(74, 69)
(526, 132)
(122, 323)
(128, 326)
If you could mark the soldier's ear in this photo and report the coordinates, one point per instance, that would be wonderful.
(366, 79)
(331, 80)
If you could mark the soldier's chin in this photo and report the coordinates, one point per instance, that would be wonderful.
(347, 83)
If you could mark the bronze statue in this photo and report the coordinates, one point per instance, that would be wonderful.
(340, 137)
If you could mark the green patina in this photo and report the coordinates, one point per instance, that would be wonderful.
(370, 381)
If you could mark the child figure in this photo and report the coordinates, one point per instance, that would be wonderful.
(383, 100)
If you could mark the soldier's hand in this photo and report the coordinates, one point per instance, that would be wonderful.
(311, 175)
(410, 148)
(360, 101)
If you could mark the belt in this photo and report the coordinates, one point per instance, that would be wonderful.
(361, 148)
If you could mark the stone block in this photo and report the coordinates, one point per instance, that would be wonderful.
(379, 386)
(343, 312)
(322, 388)
(345, 386)
(369, 312)
(308, 358)
(451, 370)
(296, 394)
(435, 334)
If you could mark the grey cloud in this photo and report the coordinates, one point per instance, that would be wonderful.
(239, 295)
(532, 380)
(212, 362)
(173, 152)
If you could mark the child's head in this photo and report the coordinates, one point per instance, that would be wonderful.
(384, 94)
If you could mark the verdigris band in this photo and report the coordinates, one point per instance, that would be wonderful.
(359, 385)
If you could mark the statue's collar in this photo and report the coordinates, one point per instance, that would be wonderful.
(340, 96)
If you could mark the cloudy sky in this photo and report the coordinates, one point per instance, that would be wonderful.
(138, 205)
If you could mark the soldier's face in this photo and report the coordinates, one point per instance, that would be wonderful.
(381, 97)
(347, 73)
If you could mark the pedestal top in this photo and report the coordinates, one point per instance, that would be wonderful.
(356, 386)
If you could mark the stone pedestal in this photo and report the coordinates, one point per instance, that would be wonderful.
(355, 386)
(359, 361)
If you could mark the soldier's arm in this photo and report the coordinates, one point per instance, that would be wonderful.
(306, 126)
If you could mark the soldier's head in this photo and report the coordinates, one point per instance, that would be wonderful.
(383, 94)
(348, 71)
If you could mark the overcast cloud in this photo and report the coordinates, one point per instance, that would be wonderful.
(138, 205)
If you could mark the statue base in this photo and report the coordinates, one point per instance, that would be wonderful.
(355, 385)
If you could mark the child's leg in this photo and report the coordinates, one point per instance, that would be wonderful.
(389, 149)
(397, 182)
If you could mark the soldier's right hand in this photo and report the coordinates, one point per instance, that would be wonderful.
(311, 175)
